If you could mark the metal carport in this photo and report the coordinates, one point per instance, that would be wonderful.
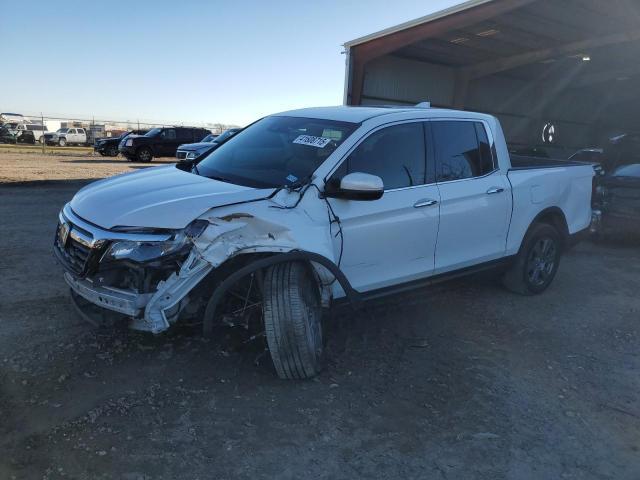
(572, 64)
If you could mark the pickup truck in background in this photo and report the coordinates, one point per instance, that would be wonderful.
(315, 206)
(66, 136)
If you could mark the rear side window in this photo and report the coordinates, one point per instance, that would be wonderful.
(396, 154)
(169, 134)
(462, 150)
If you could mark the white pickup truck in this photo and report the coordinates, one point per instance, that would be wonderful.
(308, 207)
(66, 136)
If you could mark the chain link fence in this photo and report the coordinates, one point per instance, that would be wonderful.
(17, 124)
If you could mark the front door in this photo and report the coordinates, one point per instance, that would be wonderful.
(390, 240)
(475, 201)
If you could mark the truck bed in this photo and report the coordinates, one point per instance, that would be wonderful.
(525, 162)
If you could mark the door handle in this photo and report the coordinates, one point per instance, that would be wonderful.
(493, 190)
(425, 203)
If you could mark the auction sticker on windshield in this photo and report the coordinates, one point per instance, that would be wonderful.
(318, 142)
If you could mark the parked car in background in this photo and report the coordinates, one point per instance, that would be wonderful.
(194, 151)
(616, 199)
(38, 130)
(66, 136)
(159, 142)
(617, 202)
(108, 147)
(8, 135)
(312, 206)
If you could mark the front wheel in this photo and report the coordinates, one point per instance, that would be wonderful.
(537, 262)
(113, 152)
(62, 142)
(292, 320)
(144, 155)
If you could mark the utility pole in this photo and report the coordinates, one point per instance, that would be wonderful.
(43, 138)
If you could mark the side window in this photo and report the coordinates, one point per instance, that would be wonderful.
(169, 134)
(462, 150)
(486, 153)
(81, 130)
(72, 130)
(396, 154)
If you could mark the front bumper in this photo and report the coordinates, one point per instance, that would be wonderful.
(122, 301)
(127, 151)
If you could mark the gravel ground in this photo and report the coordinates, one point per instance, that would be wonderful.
(463, 381)
(65, 164)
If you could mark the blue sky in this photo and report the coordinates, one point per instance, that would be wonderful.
(186, 61)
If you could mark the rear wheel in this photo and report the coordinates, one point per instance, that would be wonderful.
(537, 262)
(144, 155)
(292, 320)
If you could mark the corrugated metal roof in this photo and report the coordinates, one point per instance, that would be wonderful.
(418, 21)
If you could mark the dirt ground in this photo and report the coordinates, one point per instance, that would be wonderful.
(463, 381)
(23, 165)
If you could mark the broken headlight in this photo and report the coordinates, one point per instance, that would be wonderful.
(144, 251)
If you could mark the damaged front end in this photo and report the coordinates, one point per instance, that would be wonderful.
(148, 275)
(128, 271)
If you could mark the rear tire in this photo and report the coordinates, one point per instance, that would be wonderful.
(292, 320)
(536, 264)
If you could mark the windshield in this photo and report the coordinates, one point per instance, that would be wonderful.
(209, 138)
(62, 130)
(226, 134)
(275, 151)
(153, 132)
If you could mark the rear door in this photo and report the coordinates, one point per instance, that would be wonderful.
(167, 143)
(474, 195)
(390, 240)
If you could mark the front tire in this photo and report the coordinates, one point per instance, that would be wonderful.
(62, 142)
(144, 155)
(113, 152)
(537, 262)
(292, 320)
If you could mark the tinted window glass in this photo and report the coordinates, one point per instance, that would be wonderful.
(486, 155)
(395, 154)
(199, 135)
(457, 151)
(184, 134)
(169, 134)
(628, 171)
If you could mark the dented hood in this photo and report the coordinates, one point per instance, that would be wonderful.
(161, 197)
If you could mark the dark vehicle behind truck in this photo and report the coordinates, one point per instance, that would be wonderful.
(616, 200)
(159, 142)
(108, 147)
(194, 151)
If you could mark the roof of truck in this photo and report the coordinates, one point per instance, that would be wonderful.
(360, 114)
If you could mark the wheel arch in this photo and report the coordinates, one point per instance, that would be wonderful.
(555, 217)
(239, 266)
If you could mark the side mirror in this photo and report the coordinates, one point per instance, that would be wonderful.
(357, 186)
